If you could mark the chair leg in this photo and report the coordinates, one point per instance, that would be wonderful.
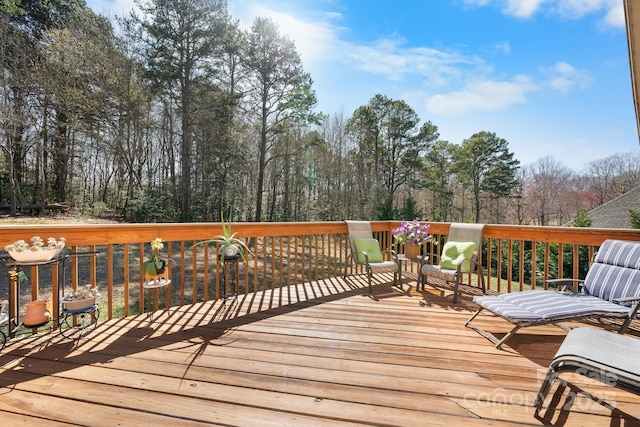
(509, 335)
(346, 267)
(369, 274)
(474, 316)
(489, 335)
(481, 278)
(632, 314)
(455, 288)
(544, 390)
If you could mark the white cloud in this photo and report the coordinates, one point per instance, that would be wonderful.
(522, 8)
(483, 95)
(389, 57)
(568, 9)
(579, 8)
(563, 77)
(615, 16)
(504, 47)
(315, 39)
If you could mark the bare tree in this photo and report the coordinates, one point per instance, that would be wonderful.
(182, 36)
(280, 94)
(548, 182)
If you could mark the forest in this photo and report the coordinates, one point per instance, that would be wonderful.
(176, 114)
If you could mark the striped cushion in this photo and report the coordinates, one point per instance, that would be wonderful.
(615, 272)
(619, 252)
(532, 306)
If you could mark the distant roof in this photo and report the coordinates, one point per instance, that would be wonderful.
(615, 213)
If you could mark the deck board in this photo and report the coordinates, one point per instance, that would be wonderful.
(323, 353)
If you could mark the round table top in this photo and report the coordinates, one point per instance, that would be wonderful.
(156, 283)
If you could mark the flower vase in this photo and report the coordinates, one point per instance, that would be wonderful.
(37, 314)
(412, 251)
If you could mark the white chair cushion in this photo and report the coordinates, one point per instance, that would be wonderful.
(431, 270)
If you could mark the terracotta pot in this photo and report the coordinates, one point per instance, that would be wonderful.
(412, 251)
(37, 313)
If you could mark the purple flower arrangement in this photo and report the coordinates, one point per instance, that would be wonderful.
(412, 233)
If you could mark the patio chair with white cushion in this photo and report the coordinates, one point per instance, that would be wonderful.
(365, 251)
(459, 256)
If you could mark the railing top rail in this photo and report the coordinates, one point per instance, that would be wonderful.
(101, 234)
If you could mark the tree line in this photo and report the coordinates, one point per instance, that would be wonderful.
(177, 114)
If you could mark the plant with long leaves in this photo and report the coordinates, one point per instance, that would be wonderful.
(227, 241)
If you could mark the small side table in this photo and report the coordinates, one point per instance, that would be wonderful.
(4, 319)
(230, 276)
(74, 324)
(402, 258)
(156, 284)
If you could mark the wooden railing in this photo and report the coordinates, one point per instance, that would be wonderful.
(284, 254)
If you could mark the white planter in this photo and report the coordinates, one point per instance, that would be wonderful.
(231, 251)
(78, 304)
(34, 256)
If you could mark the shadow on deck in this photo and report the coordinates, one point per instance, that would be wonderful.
(323, 353)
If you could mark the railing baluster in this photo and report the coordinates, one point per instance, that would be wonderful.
(534, 266)
(521, 264)
(560, 261)
(546, 261)
(576, 261)
(284, 255)
(182, 274)
(110, 279)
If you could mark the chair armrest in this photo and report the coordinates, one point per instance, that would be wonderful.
(393, 253)
(366, 257)
(563, 283)
(473, 264)
(627, 299)
(424, 259)
(632, 313)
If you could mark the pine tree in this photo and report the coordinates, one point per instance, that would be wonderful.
(582, 219)
(634, 216)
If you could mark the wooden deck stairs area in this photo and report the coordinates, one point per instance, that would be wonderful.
(319, 354)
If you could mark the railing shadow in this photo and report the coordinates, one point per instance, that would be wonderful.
(200, 325)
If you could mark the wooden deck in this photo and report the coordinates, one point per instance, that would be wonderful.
(321, 354)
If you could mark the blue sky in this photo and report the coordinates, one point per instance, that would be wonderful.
(549, 76)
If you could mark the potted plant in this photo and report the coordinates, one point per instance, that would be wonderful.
(154, 265)
(412, 235)
(229, 245)
(81, 298)
(37, 251)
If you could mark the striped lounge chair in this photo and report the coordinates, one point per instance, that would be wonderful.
(611, 289)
